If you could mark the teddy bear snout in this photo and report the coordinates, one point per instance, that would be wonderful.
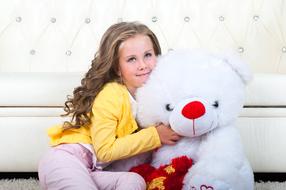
(193, 117)
(193, 110)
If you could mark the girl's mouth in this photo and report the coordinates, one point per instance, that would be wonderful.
(143, 74)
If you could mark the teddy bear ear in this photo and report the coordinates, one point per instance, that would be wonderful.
(238, 65)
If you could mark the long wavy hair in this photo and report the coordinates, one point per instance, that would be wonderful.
(104, 69)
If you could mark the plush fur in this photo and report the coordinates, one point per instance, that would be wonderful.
(200, 95)
(219, 83)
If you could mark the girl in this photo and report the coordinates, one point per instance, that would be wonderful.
(103, 126)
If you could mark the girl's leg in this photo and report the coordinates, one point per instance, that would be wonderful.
(118, 180)
(67, 166)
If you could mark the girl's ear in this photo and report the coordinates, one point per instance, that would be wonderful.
(238, 65)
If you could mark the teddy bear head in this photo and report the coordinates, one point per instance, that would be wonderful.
(193, 91)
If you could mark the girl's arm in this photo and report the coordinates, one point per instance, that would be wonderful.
(107, 113)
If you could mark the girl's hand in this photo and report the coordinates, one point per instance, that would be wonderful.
(167, 135)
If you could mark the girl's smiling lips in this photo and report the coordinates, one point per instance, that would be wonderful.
(143, 74)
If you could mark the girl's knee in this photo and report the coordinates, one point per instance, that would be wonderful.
(136, 181)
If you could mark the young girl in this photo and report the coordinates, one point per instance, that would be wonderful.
(103, 126)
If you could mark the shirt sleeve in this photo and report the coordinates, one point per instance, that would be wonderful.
(106, 114)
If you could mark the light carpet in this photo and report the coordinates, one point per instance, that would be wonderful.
(32, 184)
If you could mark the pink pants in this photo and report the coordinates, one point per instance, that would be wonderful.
(69, 167)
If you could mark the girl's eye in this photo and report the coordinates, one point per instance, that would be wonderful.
(148, 55)
(132, 59)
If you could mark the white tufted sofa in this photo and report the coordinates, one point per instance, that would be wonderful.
(47, 45)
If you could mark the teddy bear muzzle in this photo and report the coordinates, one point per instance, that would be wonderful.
(193, 117)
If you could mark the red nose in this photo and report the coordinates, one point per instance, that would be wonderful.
(193, 110)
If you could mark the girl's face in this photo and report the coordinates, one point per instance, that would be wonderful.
(136, 61)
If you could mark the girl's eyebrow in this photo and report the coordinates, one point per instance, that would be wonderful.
(148, 50)
(130, 56)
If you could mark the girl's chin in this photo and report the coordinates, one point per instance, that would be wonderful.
(143, 81)
(143, 78)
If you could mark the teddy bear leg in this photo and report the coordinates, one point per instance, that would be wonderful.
(218, 176)
(198, 182)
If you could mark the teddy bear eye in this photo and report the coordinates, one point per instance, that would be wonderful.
(168, 107)
(215, 104)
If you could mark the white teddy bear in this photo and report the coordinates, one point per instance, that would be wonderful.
(200, 95)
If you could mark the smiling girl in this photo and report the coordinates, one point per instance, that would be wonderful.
(103, 127)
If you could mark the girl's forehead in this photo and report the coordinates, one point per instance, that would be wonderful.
(136, 39)
(136, 43)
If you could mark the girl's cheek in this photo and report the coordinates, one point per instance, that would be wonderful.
(154, 63)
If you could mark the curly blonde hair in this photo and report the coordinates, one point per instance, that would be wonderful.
(104, 69)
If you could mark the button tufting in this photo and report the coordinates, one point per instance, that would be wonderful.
(284, 49)
(187, 19)
(87, 20)
(53, 20)
(221, 18)
(154, 19)
(240, 49)
(18, 19)
(32, 52)
(255, 17)
(68, 52)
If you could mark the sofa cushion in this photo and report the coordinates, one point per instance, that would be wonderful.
(32, 102)
(267, 90)
(37, 89)
(51, 89)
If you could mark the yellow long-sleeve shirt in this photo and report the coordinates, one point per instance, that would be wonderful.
(111, 129)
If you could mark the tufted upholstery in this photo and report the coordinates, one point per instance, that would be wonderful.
(47, 45)
(62, 36)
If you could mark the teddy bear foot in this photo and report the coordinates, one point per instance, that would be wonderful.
(198, 182)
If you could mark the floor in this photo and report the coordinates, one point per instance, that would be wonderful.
(280, 177)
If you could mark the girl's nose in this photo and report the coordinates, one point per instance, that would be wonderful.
(193, 110)
(142, 65)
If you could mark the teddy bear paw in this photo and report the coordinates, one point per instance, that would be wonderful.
(205, 183)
